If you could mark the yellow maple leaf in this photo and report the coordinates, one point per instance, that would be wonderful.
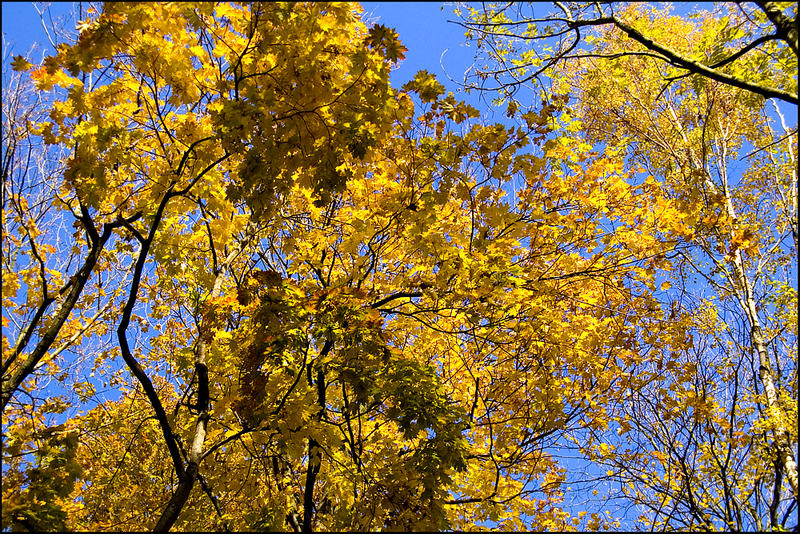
(20, 64)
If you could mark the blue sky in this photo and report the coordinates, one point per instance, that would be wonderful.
(22, 26)
(433, 42)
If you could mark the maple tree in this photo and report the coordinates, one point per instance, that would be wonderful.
(297, 298)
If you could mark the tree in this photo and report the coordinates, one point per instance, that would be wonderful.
(140, 141)
(753, 47)
(750, 246)
(329, 314)
(301, 299)
(723, 440)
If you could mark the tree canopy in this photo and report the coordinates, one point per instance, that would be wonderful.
(250, 285)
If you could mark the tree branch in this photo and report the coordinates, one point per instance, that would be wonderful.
(786, 28)
(13, 381)
(698, 68)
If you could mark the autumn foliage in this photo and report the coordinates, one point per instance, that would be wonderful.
(249, 285)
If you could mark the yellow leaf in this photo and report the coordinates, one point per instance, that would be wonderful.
(20, 64)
